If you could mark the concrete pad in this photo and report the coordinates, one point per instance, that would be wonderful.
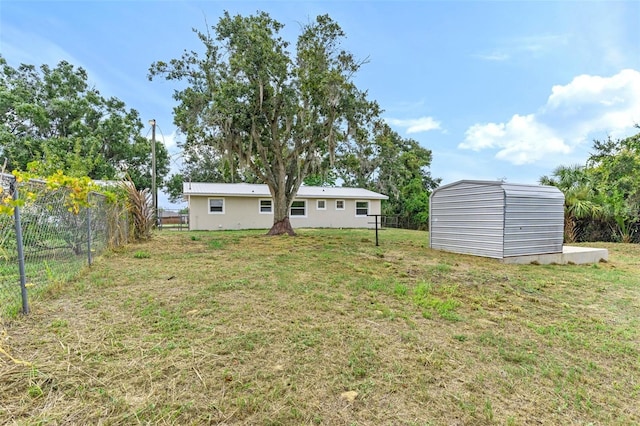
(570, 254)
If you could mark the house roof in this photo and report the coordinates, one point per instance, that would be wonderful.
(260, 190)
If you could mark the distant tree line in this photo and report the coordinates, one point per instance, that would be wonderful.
(602, 197)
(52, 120)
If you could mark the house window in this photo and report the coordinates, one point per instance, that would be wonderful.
(298, 208)
(362, 208)
(216, 205)
(321, 205)
(266, 206)
(339, 204)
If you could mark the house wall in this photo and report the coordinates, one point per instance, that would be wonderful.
(243, 213)
(467, 218)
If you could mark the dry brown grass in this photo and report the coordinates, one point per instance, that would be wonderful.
(239, 328)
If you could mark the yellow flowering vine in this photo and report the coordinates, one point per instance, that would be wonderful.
(78, 190)
(7, 203)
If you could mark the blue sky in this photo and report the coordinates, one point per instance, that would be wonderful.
(501, 89)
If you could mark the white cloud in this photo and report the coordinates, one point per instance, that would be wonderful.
(540, 43)
(170, 140)
(612, 43)
(482, 136)
(521, 140)
(593, 103)
(573, 112)
(590, 88)
(529, 45)
(44, 52)
(20, 47)
(415, 125)
(496, 56)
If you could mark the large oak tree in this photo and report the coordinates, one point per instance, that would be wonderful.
(279, 113)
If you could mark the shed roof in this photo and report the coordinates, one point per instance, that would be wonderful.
(261, 190)
(512, 189)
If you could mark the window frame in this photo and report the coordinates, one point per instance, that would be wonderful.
(260, 206)
(209, 199)
(318, 204)
(291, 215)
(343, 205)
(368, 207)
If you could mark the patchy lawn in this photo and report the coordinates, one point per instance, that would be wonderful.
(325, 328)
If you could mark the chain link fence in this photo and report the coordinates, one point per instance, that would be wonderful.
(9, 297)
(46, 243)
(171, 219)
(396, 221)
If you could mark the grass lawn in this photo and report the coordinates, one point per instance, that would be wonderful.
(326, 328)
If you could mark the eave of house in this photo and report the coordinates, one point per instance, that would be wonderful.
(262, 191)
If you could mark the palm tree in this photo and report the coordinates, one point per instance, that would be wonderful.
(621, 214)
(579, 197)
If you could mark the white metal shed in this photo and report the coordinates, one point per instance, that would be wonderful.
(496, 219)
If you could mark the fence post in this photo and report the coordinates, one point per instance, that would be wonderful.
(89, 260)
(19, 243)
(376, 216)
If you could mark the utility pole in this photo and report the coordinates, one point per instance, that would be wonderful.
(154, 191)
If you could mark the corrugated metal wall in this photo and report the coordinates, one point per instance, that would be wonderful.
(496, 219)
(467, 217)
(534, 220)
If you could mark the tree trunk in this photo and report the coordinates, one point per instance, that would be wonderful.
(281, 204)
(282, 227)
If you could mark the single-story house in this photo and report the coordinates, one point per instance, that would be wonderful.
(220, 206)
